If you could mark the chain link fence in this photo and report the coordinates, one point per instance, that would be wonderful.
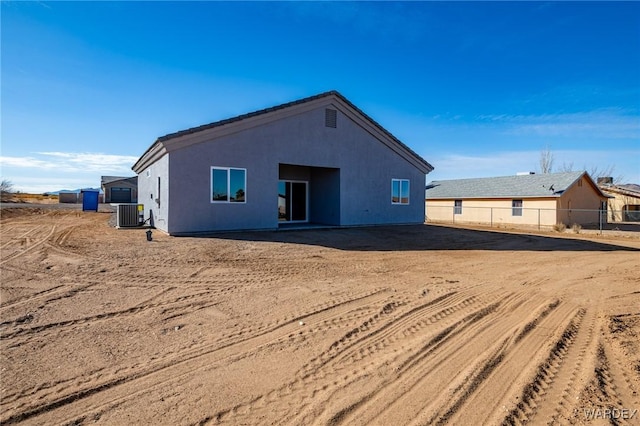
(537, 218)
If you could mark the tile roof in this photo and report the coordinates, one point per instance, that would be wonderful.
(517, 186)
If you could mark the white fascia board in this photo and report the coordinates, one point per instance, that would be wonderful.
(153, 154)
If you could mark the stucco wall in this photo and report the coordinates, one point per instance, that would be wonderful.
(616, 205)
(366, 167)
(494, 211)
(580, 204)
(156, 213)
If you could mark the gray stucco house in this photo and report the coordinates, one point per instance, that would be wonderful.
(119, 189)
(317, 160)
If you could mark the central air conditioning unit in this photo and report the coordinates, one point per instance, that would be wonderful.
(129, 215)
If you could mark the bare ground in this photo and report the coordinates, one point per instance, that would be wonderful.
(388, 325)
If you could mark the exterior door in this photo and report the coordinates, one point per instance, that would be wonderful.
(293, 201)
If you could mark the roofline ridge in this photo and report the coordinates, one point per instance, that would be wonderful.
(254, 113)
(336, 93)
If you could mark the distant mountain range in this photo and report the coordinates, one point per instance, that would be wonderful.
(76, 191)
(631, 187)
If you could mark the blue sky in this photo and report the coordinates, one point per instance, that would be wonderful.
(478, 89)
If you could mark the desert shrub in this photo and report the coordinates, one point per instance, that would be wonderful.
(576, 228)
(6, 190)
(559, 227)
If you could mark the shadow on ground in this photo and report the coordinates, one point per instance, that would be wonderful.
(422, 237)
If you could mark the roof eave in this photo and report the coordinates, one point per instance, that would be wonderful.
(177, 140)
(493, 197)
(150, 156)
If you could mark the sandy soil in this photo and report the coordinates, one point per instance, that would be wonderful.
(390, 325)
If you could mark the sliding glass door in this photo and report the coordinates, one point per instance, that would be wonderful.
(293, 201)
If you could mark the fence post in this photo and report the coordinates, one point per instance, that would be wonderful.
(491, 220)
(538, 219)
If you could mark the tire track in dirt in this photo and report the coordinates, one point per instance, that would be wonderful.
(63, 236)
(371, 346)
(489, 389)
(421, 372)
(31, 297)
(535, 392)
(410, 367)
(170, 306)
(614, 382)
(54, 240)
(610, 388)
(606, 384)
(601, 396)
(322, 313)
(160, 372)
(319, 381)
(304, 377)
(402, 339)
(218, 286)
(348, 344)
(624, 374)
(30, 245)
(469, 388)
(21, 239)
(560, 399)
(71, 254)
(167, 305)
(466, 393)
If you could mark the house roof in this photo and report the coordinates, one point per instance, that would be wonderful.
(159, 147)
(629, 189)
(105, 180)
(517, 186)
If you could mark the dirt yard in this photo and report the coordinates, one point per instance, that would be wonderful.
(368, 326)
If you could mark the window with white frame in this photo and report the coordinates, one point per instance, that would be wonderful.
(516, 207)
(457, 207)
(228, 185)
(399, 191)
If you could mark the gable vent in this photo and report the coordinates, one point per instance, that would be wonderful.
(330, 118)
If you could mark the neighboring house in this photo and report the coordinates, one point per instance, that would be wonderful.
(318, 160)
(118, 189)
(530, 199)
(68, 197)
(77, 196)
(624, 204)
